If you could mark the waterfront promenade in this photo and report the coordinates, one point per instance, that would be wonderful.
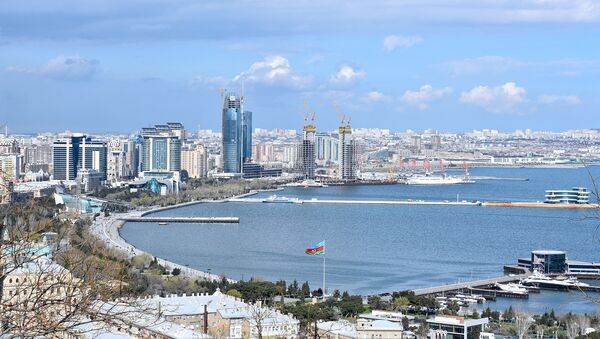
(107, 229)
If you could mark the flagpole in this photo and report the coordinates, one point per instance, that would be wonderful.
(323, 271)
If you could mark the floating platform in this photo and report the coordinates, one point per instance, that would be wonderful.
(188, 220)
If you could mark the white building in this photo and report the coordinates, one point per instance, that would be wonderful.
(454, 327)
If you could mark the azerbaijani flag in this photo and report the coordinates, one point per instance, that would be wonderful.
(317, 250)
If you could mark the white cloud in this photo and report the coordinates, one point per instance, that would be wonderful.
(209, 82)
(391, 42)
(499, 99)
(273, 70)
(62, 67)
(424, 95)
(376, 96)
(347, 74)
(559, 99)
(488, 64)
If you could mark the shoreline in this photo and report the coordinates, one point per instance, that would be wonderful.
(109, 230)
(205, 275)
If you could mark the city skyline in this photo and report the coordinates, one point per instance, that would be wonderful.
(459, 67)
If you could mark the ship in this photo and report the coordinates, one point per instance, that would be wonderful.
(441, 179)
(306, 184)
(540, 280)
(282, 200)
(436, 180)
(512, 288)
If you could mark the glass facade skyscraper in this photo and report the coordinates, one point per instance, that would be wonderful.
(236, 130)
(78, 152)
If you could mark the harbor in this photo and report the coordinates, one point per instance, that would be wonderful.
(295, 200)
(188, 220)
(400, 248)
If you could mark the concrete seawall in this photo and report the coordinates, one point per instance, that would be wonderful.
(108, 228)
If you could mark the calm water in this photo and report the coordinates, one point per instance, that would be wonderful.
(372, 248)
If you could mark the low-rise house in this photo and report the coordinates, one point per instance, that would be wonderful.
(378, 329)
(225, 316)
(362, 329)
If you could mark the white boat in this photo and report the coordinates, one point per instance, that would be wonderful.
(512, 288)
(306, 183)
(540, 280)
(436, 180)
(285, 200)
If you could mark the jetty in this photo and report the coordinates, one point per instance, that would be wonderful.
(480, 285)
(417, 202)
(361, 202)
(189, 220)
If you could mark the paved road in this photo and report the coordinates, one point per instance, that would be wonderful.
(107, 228)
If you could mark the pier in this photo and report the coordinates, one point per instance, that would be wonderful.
(190, 220)
(362, 202)
(475, 284)
(418, 202)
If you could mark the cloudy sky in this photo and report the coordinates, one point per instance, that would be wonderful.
(118, 65)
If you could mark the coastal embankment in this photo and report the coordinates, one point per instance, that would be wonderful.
(107, 228)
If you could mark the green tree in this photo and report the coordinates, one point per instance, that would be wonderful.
(401, 303)
(234, 293)
(305, 290)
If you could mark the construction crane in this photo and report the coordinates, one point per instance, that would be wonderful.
(340, 113)
(5, 126)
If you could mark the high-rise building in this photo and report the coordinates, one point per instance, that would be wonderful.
(194, 160)
(36, 156)
(308, 148)
(161, 148)
(436, 141)
(116, 169)
(416, 143)
(10, 166)
(9, 146)
(327, 149)
(347, 152)
(133, 149)
(78, 152)
(237, 134)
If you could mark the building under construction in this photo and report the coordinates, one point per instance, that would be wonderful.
(307, 150)
(347, 152)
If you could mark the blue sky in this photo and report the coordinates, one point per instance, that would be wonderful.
(96, 66)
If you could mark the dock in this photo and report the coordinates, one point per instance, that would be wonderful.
(469, 285)
(539, 205)
(189, 220)
(364, 202)
(410, 202)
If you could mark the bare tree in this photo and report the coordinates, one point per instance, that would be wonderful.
(539, 332)
(258, 315)
(583, 322)
(56, 279)
(523, 322)
(572, 327)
